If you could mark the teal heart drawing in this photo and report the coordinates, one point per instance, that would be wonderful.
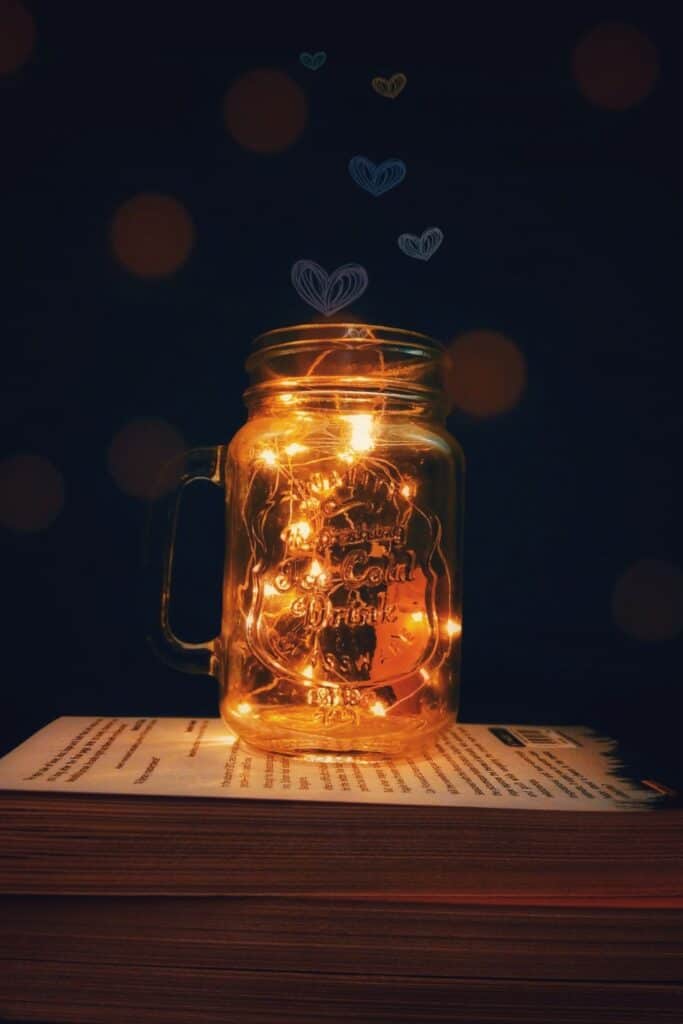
(376, 178)
(313, 61)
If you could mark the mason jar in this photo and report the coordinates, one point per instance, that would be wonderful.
(342, 593)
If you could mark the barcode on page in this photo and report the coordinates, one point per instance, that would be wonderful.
(537, 737)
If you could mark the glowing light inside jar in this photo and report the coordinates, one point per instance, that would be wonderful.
(362, 439)
(307, 672)
(244, 708)
(378, 708)
(268, 456)
(453, 627)
(294, 448)
(300, 531)
(417, 616)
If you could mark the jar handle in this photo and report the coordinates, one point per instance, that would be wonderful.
(200, 658)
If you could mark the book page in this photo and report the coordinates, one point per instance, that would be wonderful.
(562, 768)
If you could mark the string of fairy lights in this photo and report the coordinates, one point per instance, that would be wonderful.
(327, 515)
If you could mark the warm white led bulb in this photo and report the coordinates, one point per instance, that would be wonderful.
(362, 439)
(301, 530)
(269, 457)
(307, 672)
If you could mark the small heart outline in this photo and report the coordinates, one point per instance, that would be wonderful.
(390, 88)
(328, 293)
(421, 247)
(377, 178)
(313, 61)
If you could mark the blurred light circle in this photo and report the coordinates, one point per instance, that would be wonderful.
(145, 458)
(152, 235)
(647, 602)
(484, 373)
(615, 65)
(31, 493)
(265, 111)
(17, 35)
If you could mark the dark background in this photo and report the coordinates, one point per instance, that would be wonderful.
(562, 230)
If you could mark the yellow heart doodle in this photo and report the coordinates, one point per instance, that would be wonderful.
(390, 87)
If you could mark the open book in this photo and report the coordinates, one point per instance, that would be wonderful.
(487, 766)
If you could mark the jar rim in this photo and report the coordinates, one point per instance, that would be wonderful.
(346, 332)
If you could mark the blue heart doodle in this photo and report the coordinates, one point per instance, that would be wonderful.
(313, 61)
(376, 178)
(328, 293)
(421, 247)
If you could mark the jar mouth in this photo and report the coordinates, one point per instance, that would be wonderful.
(347, 334)
(354, 357)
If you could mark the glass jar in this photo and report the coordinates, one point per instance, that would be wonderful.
(341, 621)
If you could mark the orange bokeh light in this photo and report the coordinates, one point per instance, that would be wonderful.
(615, 65)
(265, 111)
(647, 601)
(17, 36)
(31, 493)
(484, 373)
(145, 458)
(152, 235)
